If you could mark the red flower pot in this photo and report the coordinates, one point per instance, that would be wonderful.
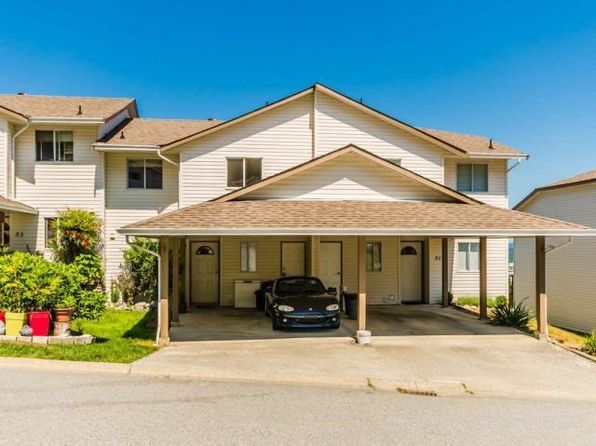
(39, 321)
(2, 318)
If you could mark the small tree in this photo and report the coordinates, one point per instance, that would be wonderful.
(138, 280)
(78, 232)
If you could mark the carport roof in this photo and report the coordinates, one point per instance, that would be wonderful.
(9, 205)
(296, 217)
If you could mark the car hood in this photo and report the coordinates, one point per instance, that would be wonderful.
(318, 302)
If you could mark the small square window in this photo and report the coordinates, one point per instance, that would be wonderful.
(468, 256)
(472, 177)
(145, 174)
(54, 145)
(244, 171)
(374, 258)
(248, 257)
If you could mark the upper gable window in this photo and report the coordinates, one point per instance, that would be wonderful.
(54, 145)
(472, 177)
(145, 174)
(244, 171)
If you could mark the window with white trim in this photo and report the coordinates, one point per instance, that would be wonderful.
(145, 173)
(468, 256)
(248, 257)
(374, 257)
(472, 177)
(244, 171)
(54, 145)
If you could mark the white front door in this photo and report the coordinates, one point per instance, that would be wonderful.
(330, 264)
(204, 273)
(410, 271)
(292, 258)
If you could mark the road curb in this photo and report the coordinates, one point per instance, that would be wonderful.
(69, 366)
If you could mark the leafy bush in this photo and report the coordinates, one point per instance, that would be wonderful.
(78, 232)
(138, 280)
(501, 300)
(90, 269)
(91, 305)
(590, 343)
(517, 316)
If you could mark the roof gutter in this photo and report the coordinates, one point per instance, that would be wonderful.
(65, 120)
(102, 147)
(493, 233)
(12, 192)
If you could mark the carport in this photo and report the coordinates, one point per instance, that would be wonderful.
(356, 220)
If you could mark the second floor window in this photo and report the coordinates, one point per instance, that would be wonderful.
(244, 171)
(472, 177)
(54, 145)
(145, 174)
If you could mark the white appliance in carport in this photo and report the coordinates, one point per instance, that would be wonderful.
(244, 293)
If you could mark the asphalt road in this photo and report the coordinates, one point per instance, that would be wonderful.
(43, 407)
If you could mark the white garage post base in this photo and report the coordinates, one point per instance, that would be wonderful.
(363, 337)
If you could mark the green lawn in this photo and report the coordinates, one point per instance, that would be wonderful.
(475, 301)
(122, 336)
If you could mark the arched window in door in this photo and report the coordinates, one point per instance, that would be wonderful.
(205, 251)
(409, 251)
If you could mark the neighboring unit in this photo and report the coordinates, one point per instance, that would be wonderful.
(570, 262)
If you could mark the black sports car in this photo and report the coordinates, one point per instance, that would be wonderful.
(301, 302)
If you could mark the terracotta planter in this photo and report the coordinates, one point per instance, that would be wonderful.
(62, 322)
(63, 314)
(39, 321)
(14, 323)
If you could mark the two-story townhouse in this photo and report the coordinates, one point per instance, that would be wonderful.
(314, 183)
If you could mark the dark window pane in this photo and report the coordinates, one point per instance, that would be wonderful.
(480, 176)
(64, 145)
(464, 177)
(44, 143)
(136, 179)
(235, 172)
(154, 174)
(253, 171)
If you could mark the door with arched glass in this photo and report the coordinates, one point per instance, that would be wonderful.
(410, 271)
(204, 273)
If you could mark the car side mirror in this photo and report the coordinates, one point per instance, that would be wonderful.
(332, 290)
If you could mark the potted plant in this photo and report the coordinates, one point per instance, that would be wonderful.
(13, 290)
(63, 314)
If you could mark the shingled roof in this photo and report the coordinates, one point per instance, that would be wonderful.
(277, 217)
(7, 204)
(32, 106)
(156, 132)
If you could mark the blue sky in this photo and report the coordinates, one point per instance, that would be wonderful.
(523, 73)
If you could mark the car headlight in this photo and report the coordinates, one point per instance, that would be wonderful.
(332, 307)
(285, 308)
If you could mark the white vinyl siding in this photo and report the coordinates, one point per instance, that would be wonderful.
(497, 194)
(125, 206)
(467, 283)
(348, 177)
(282, 137)
(339, 124)
(54, 186)
(4, 150)
(569, 270)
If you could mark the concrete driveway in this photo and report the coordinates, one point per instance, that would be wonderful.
(416, 349)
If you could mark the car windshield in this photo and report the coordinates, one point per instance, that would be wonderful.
(299, 285)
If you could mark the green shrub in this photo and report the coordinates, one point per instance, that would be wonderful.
(78, 232)
(138, 280)
(90, 269)
(517, 316)
(91, 305)
(501, 300)
(590, 343)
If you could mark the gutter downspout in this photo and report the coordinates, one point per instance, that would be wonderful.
(517, 163)
(12, 193)
(155, 254)
(174, 163)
